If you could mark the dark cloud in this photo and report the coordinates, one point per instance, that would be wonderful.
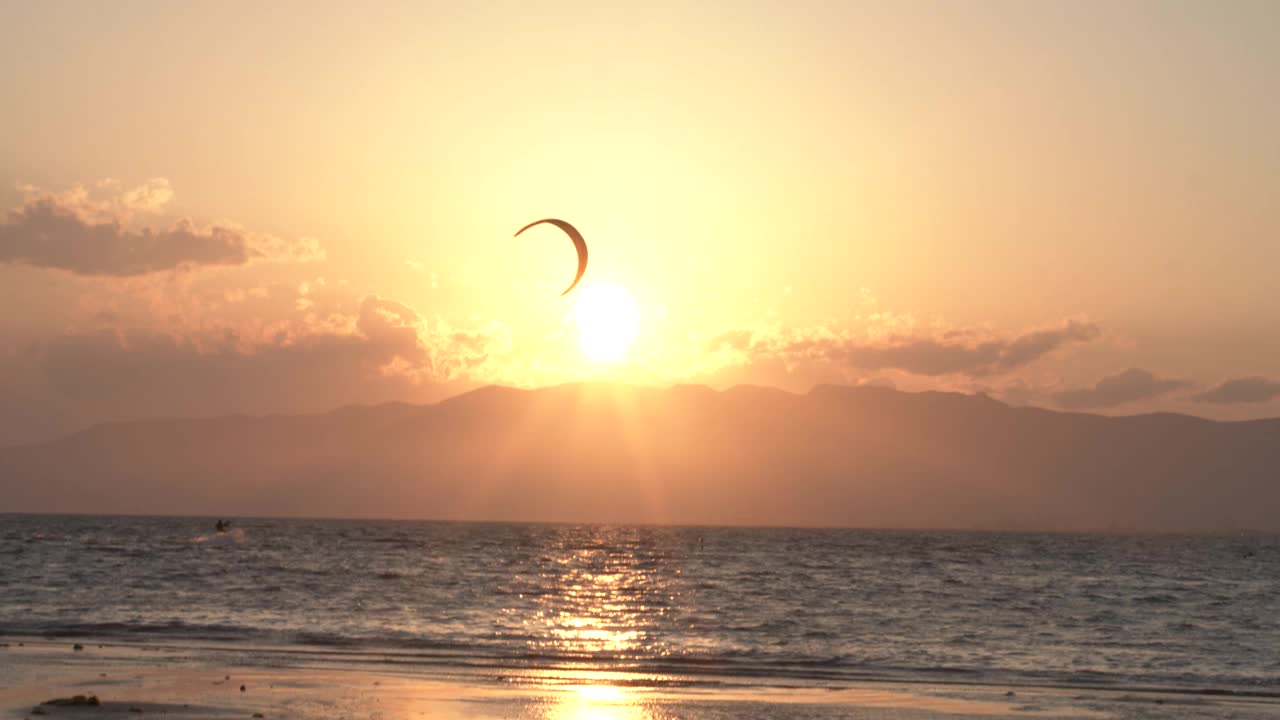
(144, 373)
(382, 352)
(1241, 390)
(70, 233)
(1129, 386)
(391, 330)
(951, 353)
(1031, 346)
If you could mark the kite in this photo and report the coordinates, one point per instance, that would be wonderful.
(578, 243)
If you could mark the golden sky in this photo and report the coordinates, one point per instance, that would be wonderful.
(218, 207)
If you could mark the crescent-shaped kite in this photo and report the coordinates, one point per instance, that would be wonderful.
(578, 243)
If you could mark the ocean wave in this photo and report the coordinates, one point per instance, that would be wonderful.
(751, 604)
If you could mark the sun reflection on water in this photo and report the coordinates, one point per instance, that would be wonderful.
(598, 597)
(597, 702)
(593, 603)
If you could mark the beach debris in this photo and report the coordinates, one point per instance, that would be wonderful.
(227, 677)
(1010, 694)
(241, 688)
(91, 700)
(77, 646)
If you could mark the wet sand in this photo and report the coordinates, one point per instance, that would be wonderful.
(198, 684)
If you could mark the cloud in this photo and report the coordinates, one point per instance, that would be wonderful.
(971, 353)
(731, 339)
(183, 346)
(385, 351)
(78, 233)
(150, 196)
(1240, 390)
(1129, 386)
(912, 353)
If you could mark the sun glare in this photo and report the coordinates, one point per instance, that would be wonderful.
(606, 318)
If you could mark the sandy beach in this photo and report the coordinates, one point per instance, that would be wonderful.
(215, 683)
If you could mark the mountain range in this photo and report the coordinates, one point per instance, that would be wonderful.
(835, 456)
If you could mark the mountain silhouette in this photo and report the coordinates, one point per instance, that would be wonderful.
(842, 456)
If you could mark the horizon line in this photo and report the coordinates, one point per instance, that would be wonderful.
(1116, 531)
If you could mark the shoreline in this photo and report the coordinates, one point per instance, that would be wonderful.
(448, 662)
(195, 683)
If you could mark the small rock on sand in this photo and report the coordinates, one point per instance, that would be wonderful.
(75, 700)
(241, 688)
(77, 646)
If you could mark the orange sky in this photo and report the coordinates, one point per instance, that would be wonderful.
(1065, 204)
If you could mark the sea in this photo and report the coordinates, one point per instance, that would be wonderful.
(697, 605)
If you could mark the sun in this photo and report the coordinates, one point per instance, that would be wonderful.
(606, 319)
